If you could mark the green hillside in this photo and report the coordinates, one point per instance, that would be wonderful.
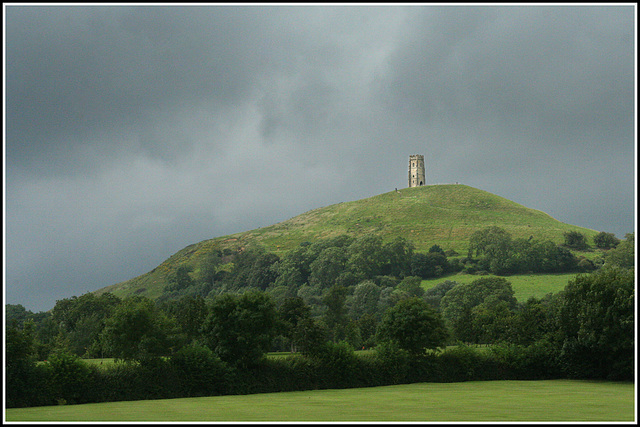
(445, 215)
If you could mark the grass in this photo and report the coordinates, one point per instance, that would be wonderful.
(524, 285)
(445, 215)
(482, 401)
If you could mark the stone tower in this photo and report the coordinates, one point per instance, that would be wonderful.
(416, 170)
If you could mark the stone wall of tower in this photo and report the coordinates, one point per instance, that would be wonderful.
(416, 170)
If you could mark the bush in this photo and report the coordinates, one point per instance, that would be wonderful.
(464, 363)
(70, 379)
(393, 362)
(338, 363)
(200, 372)
(604, 240)
(575, 240)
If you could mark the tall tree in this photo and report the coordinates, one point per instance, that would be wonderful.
(596, 323)
(604, 240)
(241, 328)
(139, 330)
(335, 316)
(413, 325)
(458, 303)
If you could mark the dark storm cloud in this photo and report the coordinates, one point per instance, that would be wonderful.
(132, 132)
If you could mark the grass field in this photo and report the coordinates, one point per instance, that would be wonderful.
(533, 401)
(524, 285)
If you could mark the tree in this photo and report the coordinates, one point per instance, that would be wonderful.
(82, 319)
(432, 264)
(310, 336)
(138, 330)
(412, 286)
(493, 241)
(435, 294)
(180, 279)
(22, 379)
(263, 271)
(413, 325)
(365, 299)
(208, 267)
(292, 311)
(604, 240)
(326, 268)
(458, 303)
(623, 255)
(335, 316)
(398, 257)
(241, 328)
(189, 313)
(575, 240)
(596, 325)
(366, 256)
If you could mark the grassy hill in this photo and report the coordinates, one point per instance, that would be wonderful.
(445, 215)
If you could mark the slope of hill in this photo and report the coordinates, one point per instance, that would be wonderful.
(445, 215)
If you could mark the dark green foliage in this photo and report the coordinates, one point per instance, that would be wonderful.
(23, 378)
(16, 313)
(201, 373)
(180, 279)
(240, 329)
(596, 325)
(575, 240)
(413, 325)
(533, 320)
(536, 361)
(208, 268)
(604, 240)
(494, 242)
(624, 253)
(291, 313)
(189, 313)
(335, 316)
(338, 362)
(365, 299)
(398, 257)
(459, 303)
(366, 256)
(139, 330)
(436, 249)
(411, 286)
(70, 379)
(82, 319)
(394, 362)
(310, 336)
(328, 266)
(463, 363)
(432, 264)
(499, 254)
(434, 295)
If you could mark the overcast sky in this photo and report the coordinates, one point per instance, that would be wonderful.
(132, 132)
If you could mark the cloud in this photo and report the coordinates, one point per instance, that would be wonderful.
(133, 131)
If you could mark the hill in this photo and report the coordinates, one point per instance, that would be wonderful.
(445, 215)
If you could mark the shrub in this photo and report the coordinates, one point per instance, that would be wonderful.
(200, 372)
(70, 379)
(393, 362)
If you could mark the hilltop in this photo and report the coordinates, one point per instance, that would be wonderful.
(445, 215)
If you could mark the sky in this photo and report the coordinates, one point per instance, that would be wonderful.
(131, 131)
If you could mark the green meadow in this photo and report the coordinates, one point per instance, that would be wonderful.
(524, 285)
(482, 401)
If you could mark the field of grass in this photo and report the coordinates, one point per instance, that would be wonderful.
(524, 285)
(509, 401)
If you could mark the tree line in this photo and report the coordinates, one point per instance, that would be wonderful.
(339, 300)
